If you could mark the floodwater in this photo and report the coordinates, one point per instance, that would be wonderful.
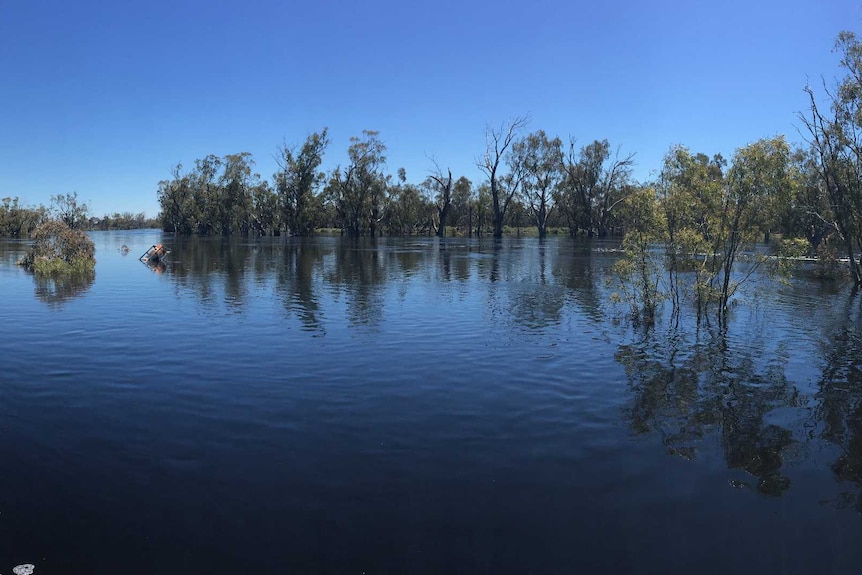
(418, 406)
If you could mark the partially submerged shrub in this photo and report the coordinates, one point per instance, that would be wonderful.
(793, 247)
(59, 249)
(829, 266)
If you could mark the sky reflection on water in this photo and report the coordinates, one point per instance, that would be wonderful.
(415, 405)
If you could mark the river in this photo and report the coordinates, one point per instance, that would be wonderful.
(418, 406)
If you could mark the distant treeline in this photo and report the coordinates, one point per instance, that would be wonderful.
(530, 179)
(19, 221)
(697, 204)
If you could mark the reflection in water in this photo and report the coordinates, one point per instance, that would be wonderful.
(155, 266)
(297, 273)
(699, 389)
(686, 390)
(538, 299)
(703, 388)
(376, 393)
(57, 290)
(360, 270)
(840, 396)
(524, 282)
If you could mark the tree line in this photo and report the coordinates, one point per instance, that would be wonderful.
(809, 191)
(20, 221)
(532, 180)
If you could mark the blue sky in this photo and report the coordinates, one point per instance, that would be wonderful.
(103, 98)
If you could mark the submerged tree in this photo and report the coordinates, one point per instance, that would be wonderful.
(19, 221)
(759, 172)
(443, 196)
(219, 196)
(640, 269)
(538, 158)
(836, 142)
(502, 187)
(358, 191)
(689, 189)
(298, 181)
(462, 204)
(594, 185)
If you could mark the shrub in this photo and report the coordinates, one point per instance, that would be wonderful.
(59, 249)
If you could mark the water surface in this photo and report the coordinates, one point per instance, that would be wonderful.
(418, 406)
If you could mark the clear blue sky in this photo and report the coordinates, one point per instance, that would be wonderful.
(103, 98)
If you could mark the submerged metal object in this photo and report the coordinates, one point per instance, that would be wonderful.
(155, 254)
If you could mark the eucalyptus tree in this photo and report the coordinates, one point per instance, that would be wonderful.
(235, 185)
(69, 210)
(298, 180)
(407, 210)
(462, 204)
(502, 187)
(358, 191)
(689, 189)
(208, 195)
(264, 212)
(809, 213)
(179, 209)
(759, 171)
(593, 186)
(836, 142)
(17, 220)
(539, 160)
(442, 195)
(639, 271)
(482, 209)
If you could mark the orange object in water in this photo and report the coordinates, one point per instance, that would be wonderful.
(155, 254)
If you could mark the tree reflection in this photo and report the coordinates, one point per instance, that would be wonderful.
(840, 396)
(688, 388)
(360, 272)
(213, 268)
(297, 280)
(537, 299)
(57, 290)
(577, 268)
(526, 283)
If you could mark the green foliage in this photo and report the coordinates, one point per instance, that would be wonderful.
(538, 159)
(219, 196)
(358, 191)
(836, 151)
(297, 183)
(594, 184)
(58, 250)
(125, 221)
(792, 247)
(18, 221)
(828, 265)
(66, 208)
(639, 271)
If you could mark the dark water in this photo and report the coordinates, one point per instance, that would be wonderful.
(417, 406)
